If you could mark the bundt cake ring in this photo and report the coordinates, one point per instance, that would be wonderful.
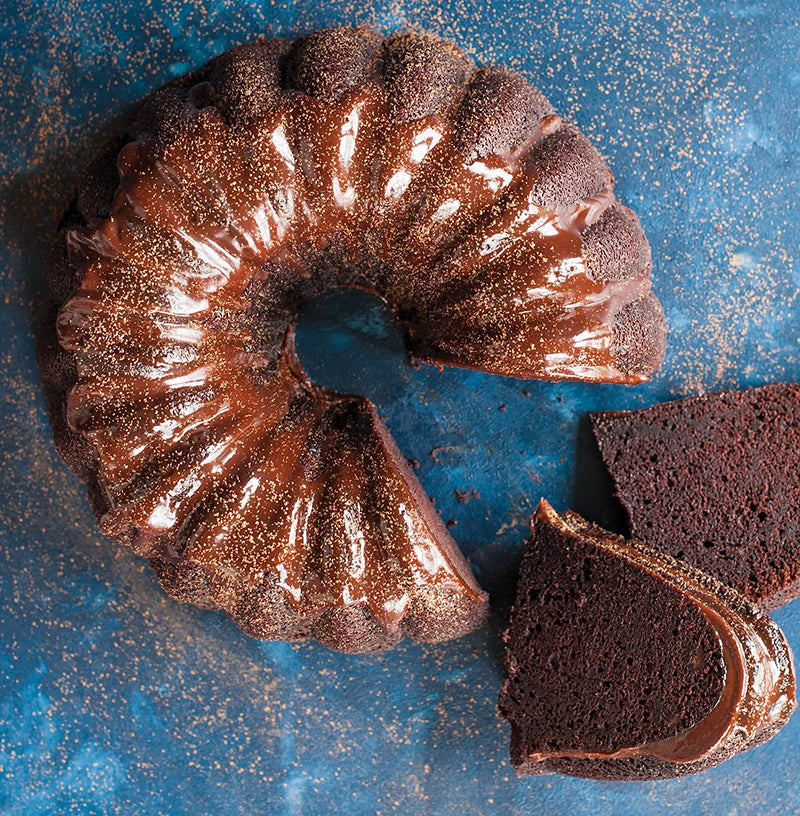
(240, 192)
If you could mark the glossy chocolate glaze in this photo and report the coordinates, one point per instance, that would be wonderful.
(212, 448)
(758, 695)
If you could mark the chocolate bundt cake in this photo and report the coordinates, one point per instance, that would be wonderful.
(239, 193)
(626, 664)
(713, 480)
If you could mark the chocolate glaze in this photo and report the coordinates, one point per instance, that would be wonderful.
(211, 449)
(758, 694)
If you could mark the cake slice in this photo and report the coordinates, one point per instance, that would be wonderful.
(713, 480)
(623, 663)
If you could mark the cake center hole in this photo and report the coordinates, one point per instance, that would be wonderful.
(348, 340)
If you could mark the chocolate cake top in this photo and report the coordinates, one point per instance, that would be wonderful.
(240, 192)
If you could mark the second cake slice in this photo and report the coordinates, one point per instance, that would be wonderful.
(626, 664)
(713, 480)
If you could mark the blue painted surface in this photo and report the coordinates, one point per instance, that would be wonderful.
(114, 699)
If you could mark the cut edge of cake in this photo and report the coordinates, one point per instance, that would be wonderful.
(757, 696)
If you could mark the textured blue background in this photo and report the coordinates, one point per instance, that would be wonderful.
(114, 699)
